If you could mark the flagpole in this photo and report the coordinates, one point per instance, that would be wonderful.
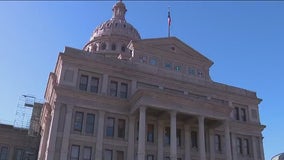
(169, 22)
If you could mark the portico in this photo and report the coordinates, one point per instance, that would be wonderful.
(176, 116)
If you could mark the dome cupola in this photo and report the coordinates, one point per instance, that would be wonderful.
(112, 37)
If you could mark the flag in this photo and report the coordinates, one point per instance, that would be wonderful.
(169, 18)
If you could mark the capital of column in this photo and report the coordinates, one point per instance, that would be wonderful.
(173, 113)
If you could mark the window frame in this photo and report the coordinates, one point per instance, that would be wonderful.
(110, 128)
(78, 121)
(71, 152)
(89, 124)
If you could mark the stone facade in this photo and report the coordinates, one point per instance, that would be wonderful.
(21, 143)
(153, 100)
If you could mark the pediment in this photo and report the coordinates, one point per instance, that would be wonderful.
(171, 47)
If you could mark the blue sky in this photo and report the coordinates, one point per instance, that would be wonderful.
(245, 40)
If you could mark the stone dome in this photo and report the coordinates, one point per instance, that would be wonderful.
(113, 35)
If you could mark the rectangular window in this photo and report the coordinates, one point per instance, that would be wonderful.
(110, 127)
(150, 157)
(194, 140)
(239, 146)
(153, 61)
(243, 114)
(143, 59)
(78, 121)
(4, 153)
(113, 88)
(191, 71)
(87, 153)
(150, 133)
(236, 113)
(178, 137)
(123, 90)
(83, 82)
(18, 154)
(167, 136)
(75, 152)
(121, 128)
(217, 140)
(167, 158)
(168, 65)
(246, 146)
(120, 155)
(94, 85)
(108, 154)
(90, 122)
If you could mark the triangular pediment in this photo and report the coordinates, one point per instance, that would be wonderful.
(173, 48)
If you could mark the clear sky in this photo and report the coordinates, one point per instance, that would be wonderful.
(245, 40)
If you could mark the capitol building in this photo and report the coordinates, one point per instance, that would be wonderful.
(121, 97)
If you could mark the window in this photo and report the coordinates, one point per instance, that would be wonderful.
(123, 90)
(123, 48)
(239, 146)
(113, 88)
(191, 71)
(143, 59)
(246, 146)
(87, 153)
(83, 82)
(217, 141)
(108, 154)
(150, 157)
(167, 136)
(18, 154)
(103, 46)
(121, 128)
(4, 153)
(94, 84)
(90, 122)
(78, 120)
(178, 137)
(236, 113)
(199, 73)
(75, 152)
(194, 143)
(150, 133)
(113, 47)
(153, 61)
(120, 155)
(110, 127)
(168, 65)
(178, 68)
(243, 114)
(167, 158)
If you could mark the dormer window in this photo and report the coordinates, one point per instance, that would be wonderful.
(168, 65)
(178, 68)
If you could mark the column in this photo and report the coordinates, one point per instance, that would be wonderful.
(234, 146)
(228, 141)
(212, 144)
(261, 147)
(141, 140)
(254, 147)
(50, 149)
(173, 147)
(44, 135)
(100, 136)
(187, 148)
(160, 140)
(201, 138)
(131, 138)
(104, 84)
(66, 133)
